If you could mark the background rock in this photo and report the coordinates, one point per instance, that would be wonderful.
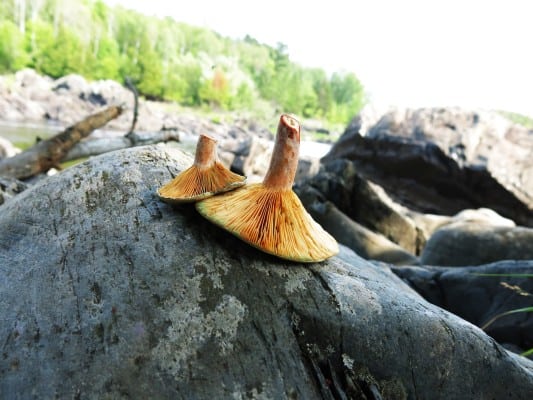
(7, 149)
(366, 243)
(366, 203)
(476, 243)
(9, 188)
(477, 298)
(442, 161)
(109, 293)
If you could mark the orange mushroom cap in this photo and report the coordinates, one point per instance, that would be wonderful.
(205, 178)
(269, 215)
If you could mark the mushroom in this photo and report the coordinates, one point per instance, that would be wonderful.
(269, 215)
(205, 178)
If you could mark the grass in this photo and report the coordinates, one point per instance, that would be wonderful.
(519, 119)
(510, 312)
(503, 314)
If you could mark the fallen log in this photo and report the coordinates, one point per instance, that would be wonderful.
(50, 152)
(93, 147)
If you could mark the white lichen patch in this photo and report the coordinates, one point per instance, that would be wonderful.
(347, 361)
(296, 282)
(294, 278)
(214, 269)
(367, 299)
(225, 320)
(254, 393)
(190, 328)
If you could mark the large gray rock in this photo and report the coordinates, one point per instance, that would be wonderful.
(340, 182)
(109, 293)
(475, 243)
(430, 223)
(7, 149)
(252, 156)
(9, 188)
(478, 294)
(367, 244)
(444, 160)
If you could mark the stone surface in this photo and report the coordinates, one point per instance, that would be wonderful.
(7, 149)
(252, 156)
(9, 188)
(429, 223)
(475, 243)
(466, 292)
(442, 161)
(366, 243)
(365, 203)
(109, 293)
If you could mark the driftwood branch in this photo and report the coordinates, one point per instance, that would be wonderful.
(93, 147)
(133, 89)
(50, 152)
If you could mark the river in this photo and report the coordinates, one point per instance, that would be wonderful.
(24, 135)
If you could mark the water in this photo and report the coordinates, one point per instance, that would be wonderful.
(314, 149)
(23, 135)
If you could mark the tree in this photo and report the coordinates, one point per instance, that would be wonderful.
(56, 55)
(216, 90)
(105, 63)
(166, 59)
(348, 95)
(12, 51)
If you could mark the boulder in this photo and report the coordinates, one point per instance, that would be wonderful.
(444, 160)
(478, 294)
(477, 242)
(252, 156)
(7, 149)
(365, 202)
(66, 109)
(429, 223)
(9, 188)
(308, 167)
(72, 84)
(33, 87)
(109, 293)
(17, 107)
(28, 78)
(106, 92)
(363, 241)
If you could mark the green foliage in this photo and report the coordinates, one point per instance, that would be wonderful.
(105, 60)
(514, 311)
(518, 119)
(169, 60)
(216, 91)
(503, 314)
(12, 54)
(59, 55)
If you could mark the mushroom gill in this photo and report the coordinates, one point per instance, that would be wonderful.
(269, 215)
(205, 178)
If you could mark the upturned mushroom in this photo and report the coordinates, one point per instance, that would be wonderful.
(205, 178)
(269, 215)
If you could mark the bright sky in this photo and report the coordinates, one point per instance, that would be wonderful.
(416, 53)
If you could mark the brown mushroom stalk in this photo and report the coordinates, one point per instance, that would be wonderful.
(205, 178)
(269, 215)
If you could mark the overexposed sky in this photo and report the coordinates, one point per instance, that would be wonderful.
(415, 53)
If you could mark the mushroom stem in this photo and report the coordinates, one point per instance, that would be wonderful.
(206, 177)
(269, 215)
(284, 161)
(206, 152)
